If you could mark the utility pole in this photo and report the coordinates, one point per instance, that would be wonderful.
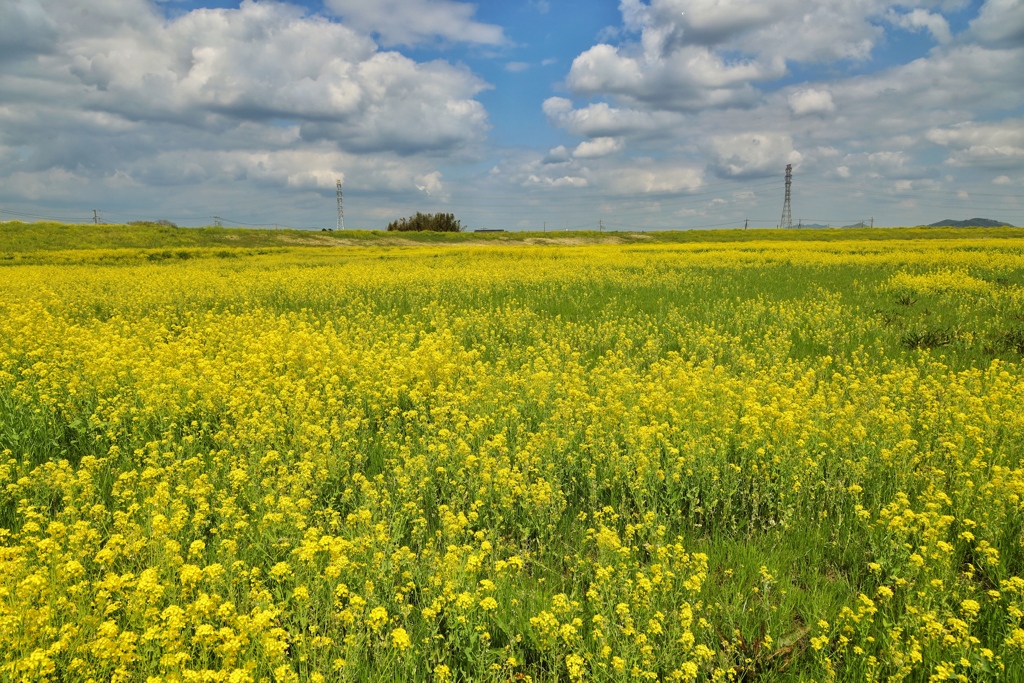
(545, 226)
(600, 225)
(746, 222)
(341, 211)
(787, 213)
(216, 222)
(95, 217)
(872, 221)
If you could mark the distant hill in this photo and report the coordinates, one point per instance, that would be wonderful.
(970, 223)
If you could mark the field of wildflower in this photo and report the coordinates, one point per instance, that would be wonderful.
(737, 461)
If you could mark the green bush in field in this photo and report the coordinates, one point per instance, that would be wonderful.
(433, 222)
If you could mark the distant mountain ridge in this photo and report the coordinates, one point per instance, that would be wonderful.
(970, 223)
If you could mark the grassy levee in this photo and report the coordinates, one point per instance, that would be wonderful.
(17, 238)
(729, 456)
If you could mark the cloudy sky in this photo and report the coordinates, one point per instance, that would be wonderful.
(641, 114)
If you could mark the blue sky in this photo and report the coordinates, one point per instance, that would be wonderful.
(640, 114)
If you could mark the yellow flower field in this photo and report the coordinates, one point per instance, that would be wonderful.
(645, 462)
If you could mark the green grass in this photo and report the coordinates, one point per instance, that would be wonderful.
(18, 238)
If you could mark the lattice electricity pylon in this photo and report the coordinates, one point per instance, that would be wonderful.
(341, 211)
(787, 211)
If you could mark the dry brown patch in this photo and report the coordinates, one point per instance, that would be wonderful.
(400, 242)
(570, 241)
(316, 241)
(328, 241)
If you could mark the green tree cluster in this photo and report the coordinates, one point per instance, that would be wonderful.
(435, 222)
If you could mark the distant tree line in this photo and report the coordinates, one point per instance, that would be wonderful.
(434, 222)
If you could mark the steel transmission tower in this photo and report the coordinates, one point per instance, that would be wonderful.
(787, 212)
(341, 211)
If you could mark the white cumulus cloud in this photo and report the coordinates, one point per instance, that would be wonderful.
(25, 29)
(813, 31)
(598, 147)
(408, 22)
(558, 155)
(751, 155)
(117, 103)
(919, 19)
(811, 101)
(645, 176)
(268, 61)
(563, 181)
(602, 120)
(1000, 22)
(688, 79)
(995, 145)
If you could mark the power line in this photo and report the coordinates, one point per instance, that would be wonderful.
(568, 208)
(587, 200)
(542, 204)
(267, 225)
(69, 219)
(677, 226)
(930, 203)
(891, 189)
(537, 202)
(538, 198)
